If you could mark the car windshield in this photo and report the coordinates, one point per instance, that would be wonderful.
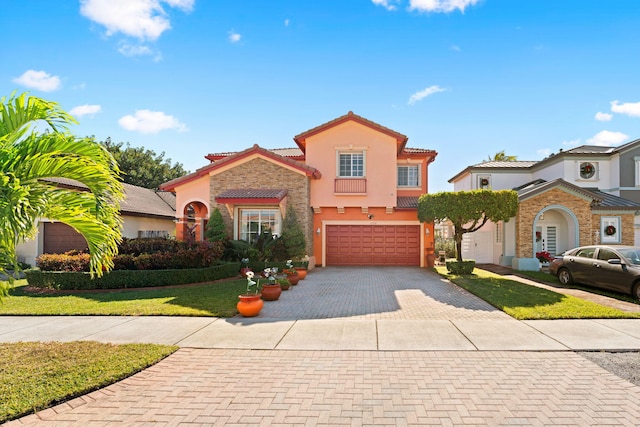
(632, 254)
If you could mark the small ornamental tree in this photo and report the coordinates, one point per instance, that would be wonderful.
(293, 240)
(467, 210)
(215, 230)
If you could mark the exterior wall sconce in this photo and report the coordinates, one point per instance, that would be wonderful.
(426, 231)
(318, 231)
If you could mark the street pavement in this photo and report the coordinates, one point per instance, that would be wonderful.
(354, 346)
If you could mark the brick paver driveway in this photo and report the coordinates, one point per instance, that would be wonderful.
(227, 387)
(379, 293)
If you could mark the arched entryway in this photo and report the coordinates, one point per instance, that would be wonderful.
(191, 225)
(555, 230)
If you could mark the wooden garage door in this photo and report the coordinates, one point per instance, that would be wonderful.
(60, 238)
(373, 245)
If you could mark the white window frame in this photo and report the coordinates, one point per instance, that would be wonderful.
(418, 176)
(596, 175)
(636, 159)
(362, 154)
(606, 221)
(243, 233)
(479, 182)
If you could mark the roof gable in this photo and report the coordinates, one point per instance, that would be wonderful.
(239, 158)
(301, 139)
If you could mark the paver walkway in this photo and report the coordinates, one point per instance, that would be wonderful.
(300, 379)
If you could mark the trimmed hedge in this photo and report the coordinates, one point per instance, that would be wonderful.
(123, 279)
(464, 267)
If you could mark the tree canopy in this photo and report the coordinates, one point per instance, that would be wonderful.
(501, 157)
(142, 167)
(468, 211)
(30, 161)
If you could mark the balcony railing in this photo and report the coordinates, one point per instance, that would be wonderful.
(350, 186)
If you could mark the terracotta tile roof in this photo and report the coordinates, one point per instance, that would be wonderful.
(300, 138)
(407, 202)
(203, 171)
(253, 193)
(293, 152)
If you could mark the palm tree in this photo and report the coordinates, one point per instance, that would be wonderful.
(501, 157)
(30, 156)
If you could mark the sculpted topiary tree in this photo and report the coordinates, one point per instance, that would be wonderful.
(467, 210)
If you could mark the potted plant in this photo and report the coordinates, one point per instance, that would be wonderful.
(301, 268)
(271, 290)
(292, 274)
(284, 283)
(250, 303)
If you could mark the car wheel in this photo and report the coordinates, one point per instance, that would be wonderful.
(636, 291)
(564, 276)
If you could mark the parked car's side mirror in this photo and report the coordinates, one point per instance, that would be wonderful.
(615, 261)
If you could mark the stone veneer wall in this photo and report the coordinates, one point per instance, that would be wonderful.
(261, 173)
(627, 224)
(529, 208)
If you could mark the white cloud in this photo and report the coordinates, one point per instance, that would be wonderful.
(134, 50)
(603, 117)
(387, 4)
(234, 37)
(85, 110)
(419, 96)
(628, 108)
(286, 22)
(40, 80)
(146, 121)
(143, 19)
(455, 48)
(440, 6)
(607, 138)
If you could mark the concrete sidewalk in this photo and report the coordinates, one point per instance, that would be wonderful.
(332, 334)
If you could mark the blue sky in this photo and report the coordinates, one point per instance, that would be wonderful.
(467, 78)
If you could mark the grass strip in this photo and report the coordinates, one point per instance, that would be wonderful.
(525, 302)
(217, 299)
(38, 375)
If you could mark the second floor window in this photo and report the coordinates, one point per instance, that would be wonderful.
(408, 176)
(351, 165)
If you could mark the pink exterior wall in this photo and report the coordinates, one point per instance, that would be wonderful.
(380, 165)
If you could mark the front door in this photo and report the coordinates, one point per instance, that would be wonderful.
(547, 239)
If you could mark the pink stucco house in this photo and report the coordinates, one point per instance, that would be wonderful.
(353, 183)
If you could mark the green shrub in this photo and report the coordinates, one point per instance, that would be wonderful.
(182, 255)
(123, 279)
(464, 267)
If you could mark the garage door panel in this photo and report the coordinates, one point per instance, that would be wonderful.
(373, 245)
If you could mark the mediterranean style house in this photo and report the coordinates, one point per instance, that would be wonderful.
(582, 196)
(145, 213)
(353, 184)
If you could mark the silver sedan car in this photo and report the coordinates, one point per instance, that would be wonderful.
(615, 268)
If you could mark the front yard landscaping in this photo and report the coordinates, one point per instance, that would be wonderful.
(39, 375)
(524, 302)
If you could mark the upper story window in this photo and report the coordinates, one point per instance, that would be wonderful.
(636, 160)
(588, 170)
(350, 165)
(409, 176)
(484, 182)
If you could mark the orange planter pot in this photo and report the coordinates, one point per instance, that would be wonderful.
(271, 292)
(302, 273)
(249, 305)
(293, 279)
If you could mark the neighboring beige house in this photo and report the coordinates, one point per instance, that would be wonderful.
(582, 196)
(145, 213)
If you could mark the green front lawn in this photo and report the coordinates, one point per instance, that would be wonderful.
(215, 299)
(525, 302)
(39, 375)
